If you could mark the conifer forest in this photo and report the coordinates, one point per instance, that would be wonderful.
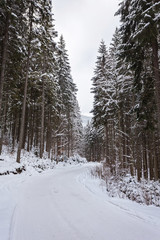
(39, 111)
(67, 173)
(125, 131)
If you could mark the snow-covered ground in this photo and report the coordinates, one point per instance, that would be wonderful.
(68, 203)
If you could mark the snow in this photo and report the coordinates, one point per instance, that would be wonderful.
(68, 203)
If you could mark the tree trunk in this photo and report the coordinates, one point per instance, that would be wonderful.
(157, 78)
(14, 133)
(42, 123)
(49, 134)
(59, 145)
(23, 112)
(25, 88)
(2, 74)
(106, 143)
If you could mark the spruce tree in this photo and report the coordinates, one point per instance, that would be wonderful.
(68, 92)
(11, 52)
(139, 28)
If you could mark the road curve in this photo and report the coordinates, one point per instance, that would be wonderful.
(56, 205)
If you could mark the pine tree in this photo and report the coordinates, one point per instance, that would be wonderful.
(94, 143)
(140, 33)
(126, 97)
(68, 91)
(103, 89)
(140, 49)
(31, 9)
(40, 111)
(11, 52)
(99, 85)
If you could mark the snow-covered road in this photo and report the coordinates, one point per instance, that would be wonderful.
(61, 205)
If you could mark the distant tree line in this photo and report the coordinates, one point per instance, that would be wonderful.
(38, 106)
(125, 131)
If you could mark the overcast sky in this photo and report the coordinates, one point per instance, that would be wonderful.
(84, 23)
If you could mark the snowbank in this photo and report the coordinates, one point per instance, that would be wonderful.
(127, 187)
(30, 163)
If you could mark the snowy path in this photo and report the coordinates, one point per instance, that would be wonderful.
(58, 206)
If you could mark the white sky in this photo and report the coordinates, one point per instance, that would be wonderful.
(84, 23)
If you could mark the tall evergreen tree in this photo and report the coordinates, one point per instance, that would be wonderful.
(11, 52)
(68, 91)
(128, 106)
(140, 32)
(28, 56)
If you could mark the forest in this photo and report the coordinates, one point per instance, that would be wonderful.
(38, 105)
(61, 178)
(125, 130)
(39, 111)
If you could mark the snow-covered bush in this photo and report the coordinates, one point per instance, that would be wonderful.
(30, 162)
(78, 159)
(144, 192)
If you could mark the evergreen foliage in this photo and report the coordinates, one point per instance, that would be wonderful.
(126, 96)
(38, 105)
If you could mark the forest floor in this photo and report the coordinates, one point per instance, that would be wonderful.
(68, 203)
